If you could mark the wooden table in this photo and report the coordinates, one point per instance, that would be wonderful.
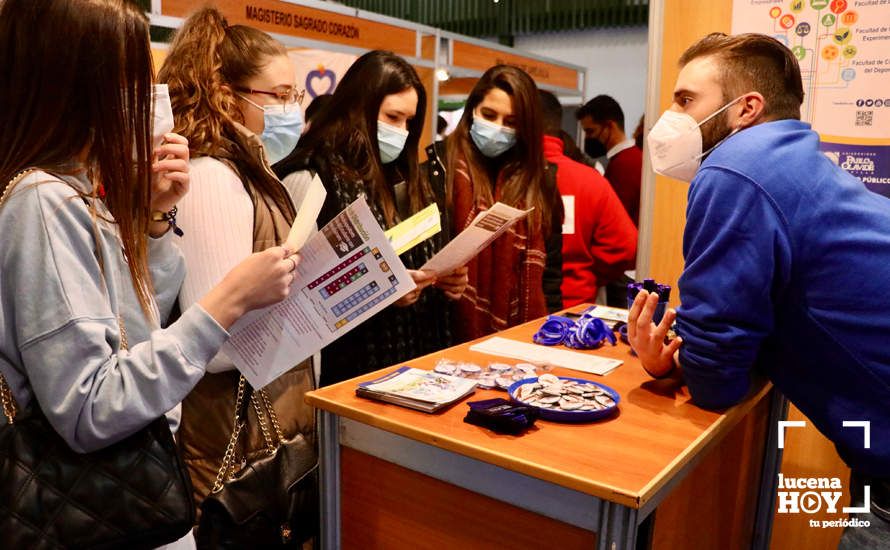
(394, 477)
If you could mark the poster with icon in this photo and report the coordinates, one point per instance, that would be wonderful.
(319, 71)
(843, 48)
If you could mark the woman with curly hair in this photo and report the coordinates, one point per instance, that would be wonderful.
(233, 95)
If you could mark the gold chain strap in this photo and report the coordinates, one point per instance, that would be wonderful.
(8, 401)
(272, 416)
(125, 344)
(263, 408)
(261, 419)
(13, 182)
(238, 424)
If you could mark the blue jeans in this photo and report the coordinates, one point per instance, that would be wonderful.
(877, 535)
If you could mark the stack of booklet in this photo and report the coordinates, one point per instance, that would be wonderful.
(418, 389)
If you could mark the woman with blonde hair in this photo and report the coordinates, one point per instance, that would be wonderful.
(234, 98)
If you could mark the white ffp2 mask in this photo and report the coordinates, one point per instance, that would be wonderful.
(675, 143)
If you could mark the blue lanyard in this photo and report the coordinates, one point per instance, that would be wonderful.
(554, 331)
(588, 332)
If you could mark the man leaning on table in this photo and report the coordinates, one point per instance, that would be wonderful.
(787, 260)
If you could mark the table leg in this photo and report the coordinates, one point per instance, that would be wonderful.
(772, 463)
(329, 474)
(618, 527)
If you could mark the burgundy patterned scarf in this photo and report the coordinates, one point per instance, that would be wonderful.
(505, 280)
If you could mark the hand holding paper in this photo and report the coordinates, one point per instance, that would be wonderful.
(454, 285)
(422, 279)
(485, 228)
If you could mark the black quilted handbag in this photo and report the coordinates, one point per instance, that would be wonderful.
(270, 502)
(134, 494)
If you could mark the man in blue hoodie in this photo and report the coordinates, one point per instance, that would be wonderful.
(787, 257)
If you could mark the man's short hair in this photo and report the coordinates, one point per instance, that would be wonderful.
(602, 109)
(551, 112)
(754, 62)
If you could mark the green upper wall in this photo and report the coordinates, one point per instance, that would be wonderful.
(508, 18)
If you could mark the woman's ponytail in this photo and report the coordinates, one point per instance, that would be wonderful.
(202, 102)
(207, 62)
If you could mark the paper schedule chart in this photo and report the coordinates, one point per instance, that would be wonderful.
(347, 273)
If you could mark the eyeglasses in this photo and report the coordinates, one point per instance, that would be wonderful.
(289, 97)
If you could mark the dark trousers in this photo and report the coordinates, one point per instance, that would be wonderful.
(877, 534)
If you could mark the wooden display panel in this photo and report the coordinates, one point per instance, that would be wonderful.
(428, 79)
(158, 55)
(428, 47)
(715, 506)
(457, 86)
(681, 30)
(471, 56)
(388, 507)
(808, 453)
(296, 20)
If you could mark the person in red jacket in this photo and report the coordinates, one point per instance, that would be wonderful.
(599, 239)
(603, 123)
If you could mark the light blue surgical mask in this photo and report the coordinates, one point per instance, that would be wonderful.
(492, 139)
(282, 128)
(391, 141)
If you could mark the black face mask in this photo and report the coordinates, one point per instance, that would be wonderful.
(594, 148)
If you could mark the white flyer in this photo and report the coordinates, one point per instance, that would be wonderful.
(485, 228)
(310, 208)
(348, 271)
(544, 355)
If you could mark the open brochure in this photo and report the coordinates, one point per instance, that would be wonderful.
(485, 228)
(418, 389)
(347, 273)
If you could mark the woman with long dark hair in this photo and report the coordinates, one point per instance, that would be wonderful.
(84, 267)
(364, 142)
(496, 154)
(234, 98)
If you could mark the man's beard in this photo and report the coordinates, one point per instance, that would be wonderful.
(714, 131)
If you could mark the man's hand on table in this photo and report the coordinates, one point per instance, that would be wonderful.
(647, 339)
